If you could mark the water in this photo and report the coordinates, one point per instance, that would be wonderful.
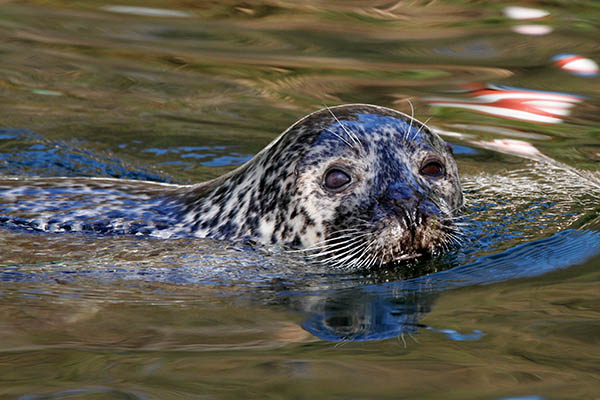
(185, 94)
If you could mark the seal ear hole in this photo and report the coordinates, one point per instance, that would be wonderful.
(335, 179)
(433, 169)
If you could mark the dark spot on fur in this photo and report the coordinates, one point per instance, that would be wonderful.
(232, 213)
(297, 242)
(227, 229)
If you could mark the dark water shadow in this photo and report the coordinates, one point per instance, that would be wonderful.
(382, 310)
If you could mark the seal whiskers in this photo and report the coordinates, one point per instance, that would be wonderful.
(352, 136)
(412, 118)
(423, 124)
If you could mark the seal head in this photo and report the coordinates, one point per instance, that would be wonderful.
(355, 186)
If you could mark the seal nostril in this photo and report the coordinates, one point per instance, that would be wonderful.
(403, 198)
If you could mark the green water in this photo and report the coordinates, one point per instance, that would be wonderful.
(90, 90)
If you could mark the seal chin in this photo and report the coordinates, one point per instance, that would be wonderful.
(400, 240)
(385, 241)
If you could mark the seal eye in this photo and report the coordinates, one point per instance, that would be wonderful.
(433, 169)
(336, 179)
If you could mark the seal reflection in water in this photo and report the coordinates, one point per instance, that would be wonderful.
(354, 186)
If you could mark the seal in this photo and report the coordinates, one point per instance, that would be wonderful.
(354, 186)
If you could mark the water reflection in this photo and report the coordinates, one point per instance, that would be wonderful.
(514, 103)
(576, 64)
(336, 307)
(366, 314)
(390, 309)
(147, 11)
(533, 29)
(520, 13)
(524, 13)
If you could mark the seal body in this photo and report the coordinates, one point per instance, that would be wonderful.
(355, 186)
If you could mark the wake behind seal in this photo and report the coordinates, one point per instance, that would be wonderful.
(354, 186)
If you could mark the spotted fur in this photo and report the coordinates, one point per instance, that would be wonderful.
(389, 212)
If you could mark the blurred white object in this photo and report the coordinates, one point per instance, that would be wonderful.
(576, 64)
(512, 146)
(532, 30)
(524, 13)
(146, 11)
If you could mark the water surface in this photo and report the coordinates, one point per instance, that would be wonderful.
(181, 92)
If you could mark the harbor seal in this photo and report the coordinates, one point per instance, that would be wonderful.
(354, 186)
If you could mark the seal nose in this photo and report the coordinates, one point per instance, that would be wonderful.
(403, 195)
(407, 197)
